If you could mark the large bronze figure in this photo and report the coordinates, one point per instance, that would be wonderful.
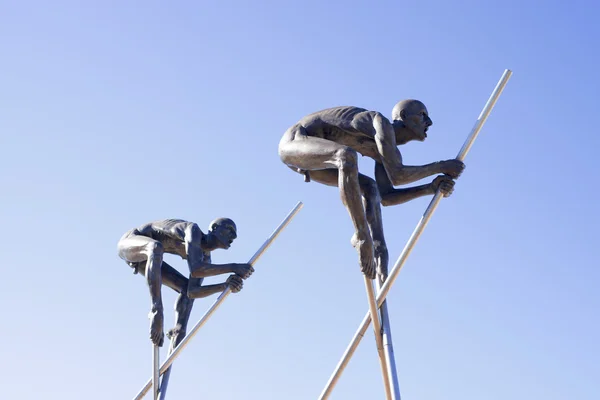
(324, 146)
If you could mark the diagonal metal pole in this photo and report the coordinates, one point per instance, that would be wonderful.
(383, 292)
(177, 351)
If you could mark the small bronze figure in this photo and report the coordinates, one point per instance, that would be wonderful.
(143, 248)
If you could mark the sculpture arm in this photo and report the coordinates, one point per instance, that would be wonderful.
(391, 159)
(198, 292)
(196, 259)
(234, 282)
(391, 196)
(203, 270)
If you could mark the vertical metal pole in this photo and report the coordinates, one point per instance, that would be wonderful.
(388, 349)
(164, 383)
(378, 338)
(487, 109)
(177, 351)
(155, 368)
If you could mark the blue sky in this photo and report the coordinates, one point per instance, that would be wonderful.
(113, 114)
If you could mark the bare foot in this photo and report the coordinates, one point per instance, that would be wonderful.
(364, 246)
(157, 335)
(381, 260)
(172, 333)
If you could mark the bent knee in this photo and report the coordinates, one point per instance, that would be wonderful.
(347, 158)
(288, 137)
(154, 249)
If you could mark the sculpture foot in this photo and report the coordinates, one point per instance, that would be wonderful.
(364, 246)
(157, 335)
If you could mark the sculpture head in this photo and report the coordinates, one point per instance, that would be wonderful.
(222, 232)
(412, 115)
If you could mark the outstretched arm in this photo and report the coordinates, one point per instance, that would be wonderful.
(205, 291)
(234, 282)
(196, 260)
(391, 196)
(397, 173)
(203, 270)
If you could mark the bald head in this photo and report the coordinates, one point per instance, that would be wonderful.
(414, 116)
(224, 223)
(408, 107)
(224, 231)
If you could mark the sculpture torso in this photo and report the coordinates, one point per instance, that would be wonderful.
(347, 125)
(170, 233)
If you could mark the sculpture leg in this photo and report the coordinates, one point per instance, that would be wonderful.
(146, 254)
(299, 150)
(372, 200)
(372, 204)
(183, 307)
(135, 248)
(183, 310)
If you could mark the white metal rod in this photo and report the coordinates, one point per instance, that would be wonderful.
(378, 338)
(487, 109)
(388, 350)
(155, 368)
(219, 300)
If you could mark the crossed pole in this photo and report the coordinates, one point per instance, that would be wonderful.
(158, 369)
(389, 371)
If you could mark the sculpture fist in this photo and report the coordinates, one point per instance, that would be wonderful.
(444, 184)
(244, 270)
(452, 168)
(235, 283)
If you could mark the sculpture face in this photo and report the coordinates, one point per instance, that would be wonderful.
(224, 231)
(414, 116)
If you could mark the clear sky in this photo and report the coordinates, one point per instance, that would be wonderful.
(114, 113)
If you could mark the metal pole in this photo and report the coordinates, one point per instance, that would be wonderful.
(388, 350)
(487, 109)
(378, 337)
(219, 301)
(155, 367)
(165, 378)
